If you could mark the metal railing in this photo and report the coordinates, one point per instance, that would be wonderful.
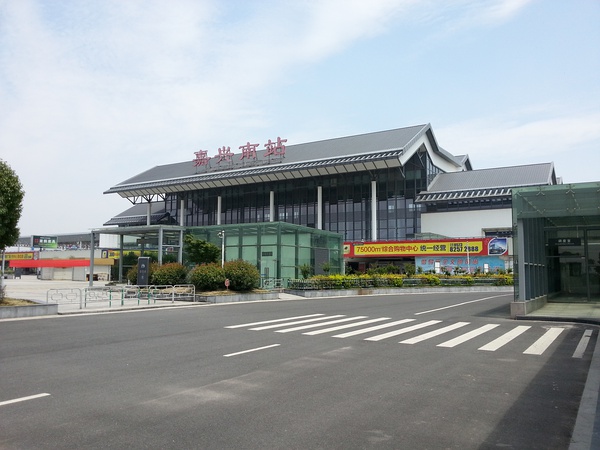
(122, 295)
(272, 283)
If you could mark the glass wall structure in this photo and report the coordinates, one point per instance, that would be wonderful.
(347, 202)
(557, 234)
(277, 249)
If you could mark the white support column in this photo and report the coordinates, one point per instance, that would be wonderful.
(219, 204)
(319, 207)
(121, 251)
(373, 210)
(272, 206)
(522, 291)
(180, 252)
(92, 246)
(160, 245)
(182, 212)
(149, 214)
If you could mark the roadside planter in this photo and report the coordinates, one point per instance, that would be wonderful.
(231, 297)
(39, 309)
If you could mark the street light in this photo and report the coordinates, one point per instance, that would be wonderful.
(221, 234)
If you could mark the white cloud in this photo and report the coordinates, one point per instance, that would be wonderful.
(94, 92)
(570, 141)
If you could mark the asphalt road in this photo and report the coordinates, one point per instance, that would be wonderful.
(440, 371)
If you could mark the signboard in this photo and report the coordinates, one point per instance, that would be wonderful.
(114, 254)
(44, 241)
(565, 242)
(20, 256)
(450, 247)
(143, 275)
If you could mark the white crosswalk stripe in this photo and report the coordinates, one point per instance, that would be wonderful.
(468, 336)
(402, 331)
(505, 338)
(374, 328)
(583, 343)
(431, 334)
(278, 325)
(343, 327)
(540, 346)
(313, 325)
(271, 321)
(320, 324)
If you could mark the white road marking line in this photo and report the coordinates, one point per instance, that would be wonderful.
(402, 331)
(375, 328)
(271, 321)
(505, 338)
(315, 325)
(251, 350)
(298, 322)
(348, 325)
(540, 346)
(458, 304)
(23, 399)
(434, 333)
(468, 336)
(583, 343)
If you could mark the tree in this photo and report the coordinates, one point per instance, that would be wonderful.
(201, 252)
(11, 206)
(11, 199)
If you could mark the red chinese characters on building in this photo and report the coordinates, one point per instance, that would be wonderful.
(248, 151)
(201, 158)
(275, 148)
(224, 155)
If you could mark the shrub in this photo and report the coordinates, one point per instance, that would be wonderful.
(171, 273)
(305, 270)
(410, 269)
(207, 277)
(242, 275)
(503, 280)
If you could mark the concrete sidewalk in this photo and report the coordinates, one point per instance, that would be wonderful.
(67, 294)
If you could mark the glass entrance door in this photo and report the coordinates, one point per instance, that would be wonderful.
(593, 266)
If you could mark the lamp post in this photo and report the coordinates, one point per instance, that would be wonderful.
(221, 234)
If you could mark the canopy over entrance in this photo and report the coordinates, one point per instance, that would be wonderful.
(150, 237)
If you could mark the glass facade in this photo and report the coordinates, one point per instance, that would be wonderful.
(557, 235)
(277, 249)
(346, 206)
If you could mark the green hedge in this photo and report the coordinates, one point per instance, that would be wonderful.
(391, 280)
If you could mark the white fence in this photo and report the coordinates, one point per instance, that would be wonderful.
(122, 295)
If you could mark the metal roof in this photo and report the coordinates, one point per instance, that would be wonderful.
(486, 183)
(138, 215)
(371, 151)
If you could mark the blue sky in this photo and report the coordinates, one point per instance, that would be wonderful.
(93, 92)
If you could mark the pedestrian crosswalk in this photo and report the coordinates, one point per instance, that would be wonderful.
(492, 336)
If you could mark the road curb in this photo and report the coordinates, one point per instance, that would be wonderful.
(586, 434)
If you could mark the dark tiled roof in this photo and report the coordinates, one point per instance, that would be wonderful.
(340, 155)
(484, 183)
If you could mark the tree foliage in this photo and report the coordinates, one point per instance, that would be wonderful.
(11, 205)
(199, 251)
